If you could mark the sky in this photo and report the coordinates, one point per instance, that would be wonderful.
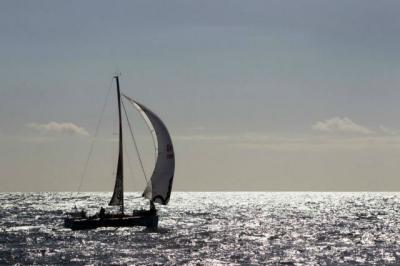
(257, 95)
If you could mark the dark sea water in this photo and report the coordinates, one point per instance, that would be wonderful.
(209, 229)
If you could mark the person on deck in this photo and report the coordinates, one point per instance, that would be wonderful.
(152, 208)
(102, 212)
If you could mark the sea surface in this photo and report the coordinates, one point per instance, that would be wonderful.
(208, 229)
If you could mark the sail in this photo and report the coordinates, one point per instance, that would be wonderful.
(159, 186)
(117, 198)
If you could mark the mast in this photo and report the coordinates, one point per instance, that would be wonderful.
(120, 168)
(118, 195)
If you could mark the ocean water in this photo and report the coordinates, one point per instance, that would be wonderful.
(209, 229)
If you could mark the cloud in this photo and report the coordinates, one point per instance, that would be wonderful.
(199, 128)
(341, 125)
(232, 137)
(60, 128)
(311, 143)
(323, 143)
(204, 137)
(387, 130)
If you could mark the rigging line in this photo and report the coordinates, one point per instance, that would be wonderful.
(149, 127)
(134, 142)
(129, 165)
(94, 137)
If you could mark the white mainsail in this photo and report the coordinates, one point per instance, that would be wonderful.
(159, 186)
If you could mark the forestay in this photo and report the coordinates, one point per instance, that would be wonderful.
(159, 186)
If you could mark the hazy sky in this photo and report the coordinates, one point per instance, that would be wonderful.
(257, 95)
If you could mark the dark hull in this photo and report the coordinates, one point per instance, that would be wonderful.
(149, 221)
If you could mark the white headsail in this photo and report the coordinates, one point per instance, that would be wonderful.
(159, 186)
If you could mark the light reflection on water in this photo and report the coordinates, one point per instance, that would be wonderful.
(208, 228)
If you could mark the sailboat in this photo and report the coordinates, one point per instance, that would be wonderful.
(157, 190)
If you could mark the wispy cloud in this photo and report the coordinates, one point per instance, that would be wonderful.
(198, 128)
(60, 128)
(341, 125)
(388, 131)
(281, 143)
(222, 137)
(323, 143)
